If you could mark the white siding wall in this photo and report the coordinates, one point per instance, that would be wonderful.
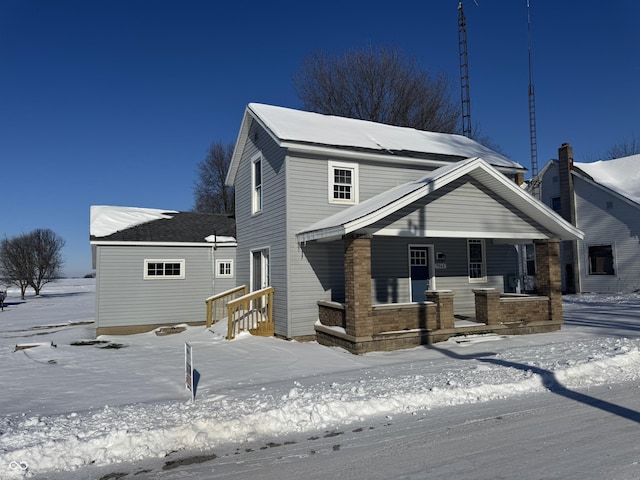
(608, 220)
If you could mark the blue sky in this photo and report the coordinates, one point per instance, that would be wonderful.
(115, 102)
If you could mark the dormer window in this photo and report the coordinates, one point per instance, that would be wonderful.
(343, 182)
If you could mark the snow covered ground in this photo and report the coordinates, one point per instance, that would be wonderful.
(73, 408)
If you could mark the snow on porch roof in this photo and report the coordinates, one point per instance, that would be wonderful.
(376, 208)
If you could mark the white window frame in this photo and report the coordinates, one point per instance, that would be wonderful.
(164, 276)
(257, 189)
(483, 265)
(221, 262)
(355, 194)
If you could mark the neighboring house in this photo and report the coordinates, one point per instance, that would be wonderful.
(157, 267)
(603, 200)
(375, 236)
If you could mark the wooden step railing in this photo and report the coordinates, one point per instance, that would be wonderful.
(252, 312)
(217, 304)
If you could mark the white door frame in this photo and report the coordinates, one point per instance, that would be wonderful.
(265, 268)
(431, 276)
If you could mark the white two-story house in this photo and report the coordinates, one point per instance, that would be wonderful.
(603, 200)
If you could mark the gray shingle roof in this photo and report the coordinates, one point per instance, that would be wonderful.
(187, 227)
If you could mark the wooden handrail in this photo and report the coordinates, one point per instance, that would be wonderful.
(252, 312)
(217, 304)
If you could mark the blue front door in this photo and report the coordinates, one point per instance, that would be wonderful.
(419, 272)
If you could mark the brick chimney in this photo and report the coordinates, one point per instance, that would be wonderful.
(567, 201)
(569, 249)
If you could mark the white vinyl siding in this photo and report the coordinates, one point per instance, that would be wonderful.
(607, 219)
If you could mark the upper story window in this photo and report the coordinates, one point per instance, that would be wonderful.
(256, 184)
(166, 269)
(477, 263)
(556, 204)
(601, 260)
(343, 182)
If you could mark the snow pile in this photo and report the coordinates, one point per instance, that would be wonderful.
(86, 405)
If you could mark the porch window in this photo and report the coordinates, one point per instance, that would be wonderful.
(164, 269)
(343, 182)
(256, 184)
(476, 256)
(224, 268)
(601, 260)
(530, 250)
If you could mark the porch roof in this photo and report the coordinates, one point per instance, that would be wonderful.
(363, 215)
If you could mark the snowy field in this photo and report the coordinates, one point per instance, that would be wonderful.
(74, 408)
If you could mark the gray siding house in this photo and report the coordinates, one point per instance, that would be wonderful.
(380, 237)
(603, 200)
(156, 267)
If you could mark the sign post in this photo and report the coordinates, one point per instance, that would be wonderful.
(188, 366)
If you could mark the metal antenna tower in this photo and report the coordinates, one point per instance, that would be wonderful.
(464, 72)
(535, 184)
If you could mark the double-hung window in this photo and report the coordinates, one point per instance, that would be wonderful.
(477, 263)
(343, 182)
(164, 269)
(256, 184)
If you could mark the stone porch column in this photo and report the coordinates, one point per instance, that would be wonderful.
(488, 309)
(444, 302)
(549, 277)
(357, 279)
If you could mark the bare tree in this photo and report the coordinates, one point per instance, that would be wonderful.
(210, 192)
(46, 247)
(624, 149)
(15, 262)
(31, 260)
(377, 85)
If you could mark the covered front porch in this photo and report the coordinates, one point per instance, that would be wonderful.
(468, 218)
(360, 326)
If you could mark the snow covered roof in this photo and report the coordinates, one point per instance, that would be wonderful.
(297, 129)
(622, 175)
(368, 212)
(134, 224)
(106, 220)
